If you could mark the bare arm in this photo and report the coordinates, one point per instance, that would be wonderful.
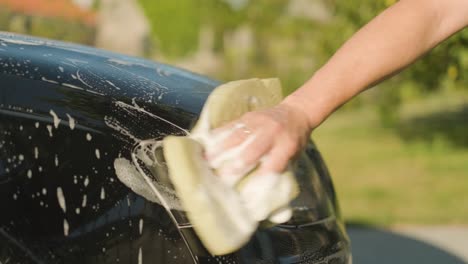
(391, 41)
(387, 44)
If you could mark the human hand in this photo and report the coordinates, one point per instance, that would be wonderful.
(268, 138)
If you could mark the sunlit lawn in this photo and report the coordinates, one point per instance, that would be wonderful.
(384, 180)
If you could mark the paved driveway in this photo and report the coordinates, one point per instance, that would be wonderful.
(427, 245)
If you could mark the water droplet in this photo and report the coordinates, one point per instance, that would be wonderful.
(36, 153)
(71, 122)
(65, 227)
(83, 203)
(55, 117)
(61, 199)
(88, 136)
(141, 225)
(140, 256)
(103, 193)
(49, 128)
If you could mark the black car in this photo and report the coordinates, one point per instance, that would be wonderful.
(71, 118)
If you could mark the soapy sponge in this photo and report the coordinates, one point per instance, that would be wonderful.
(225, 213)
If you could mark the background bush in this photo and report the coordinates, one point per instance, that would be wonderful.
(294, 47)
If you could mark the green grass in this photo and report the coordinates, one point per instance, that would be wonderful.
(383, 179)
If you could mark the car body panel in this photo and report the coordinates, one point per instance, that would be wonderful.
(67, 112)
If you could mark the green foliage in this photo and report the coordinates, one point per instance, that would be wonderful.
(444, 67)
(292, 47)
(175, 25)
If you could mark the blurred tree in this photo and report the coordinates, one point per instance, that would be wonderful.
(293, 47)
(175, 25)
(444, 67)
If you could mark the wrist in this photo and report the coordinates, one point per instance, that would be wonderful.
(297, 106)
(314, 116)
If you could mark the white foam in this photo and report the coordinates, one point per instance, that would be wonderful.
(49, 128)
(103, 193)
(55, 117)
(140, 225)
(22, 42)
(71, 122)
(36, 153)
(49, 81)
(65, 227)
(84, 201)
(129, 175)
(140, 256)
(61, 199)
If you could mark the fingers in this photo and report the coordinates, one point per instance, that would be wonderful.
(276, 161)
(248, 154)
(229, 136)
(269, 137)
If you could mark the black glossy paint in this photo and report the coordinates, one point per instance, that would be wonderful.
(117, 101)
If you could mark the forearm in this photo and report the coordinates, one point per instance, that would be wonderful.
(391, 41)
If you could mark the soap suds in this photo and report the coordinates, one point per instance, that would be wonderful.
(61, 199)
(49, 128)
(65, 227)
(36, 153)
(84, 201)
(71, 122)
(103, 193)
(22, 42)
(140, 225)
(140, 256)
(55, 117)
(128, 175)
